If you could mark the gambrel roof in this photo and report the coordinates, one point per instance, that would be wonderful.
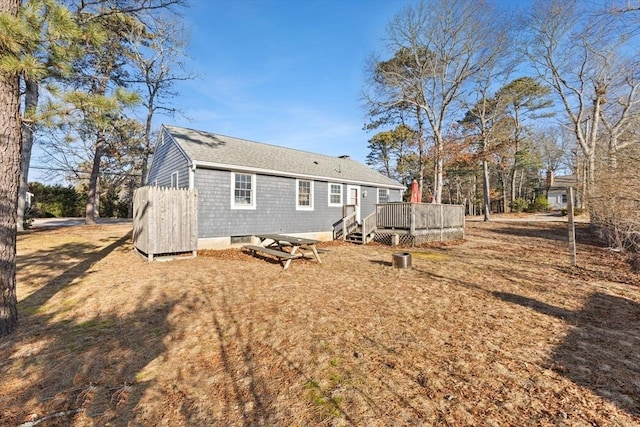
(210, 150)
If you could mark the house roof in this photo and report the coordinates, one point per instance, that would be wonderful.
(206, 149)
(564, 181)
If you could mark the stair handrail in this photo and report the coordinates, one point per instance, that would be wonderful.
(368, 226)
(349, 223)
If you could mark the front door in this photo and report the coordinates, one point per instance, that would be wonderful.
(353, 198)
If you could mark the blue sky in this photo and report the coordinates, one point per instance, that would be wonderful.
(288, 73)
(284, 72)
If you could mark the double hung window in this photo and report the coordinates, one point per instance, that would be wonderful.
(383, 195)
(243, 191)
(335, 194)
(304, 194)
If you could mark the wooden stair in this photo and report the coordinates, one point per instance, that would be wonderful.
(356, 237)
(353, 231)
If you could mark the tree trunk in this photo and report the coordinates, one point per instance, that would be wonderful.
(486, 188)
(438, 185)
(147, 147)
(503, 181)
(521, 183)
(440, 179)
(512, 184)
(91, 212)
(10, 146)
(30, 105)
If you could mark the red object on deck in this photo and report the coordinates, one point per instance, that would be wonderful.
(416, 197)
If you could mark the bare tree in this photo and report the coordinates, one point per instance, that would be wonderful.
(158, 64)
(621, 117)
(483, 121)
(551, 146)
(442, 46)
(619, 223)
(627, 12)
(582, 61)
(104, 72)
(484, 118)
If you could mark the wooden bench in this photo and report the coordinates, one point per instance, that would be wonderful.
(320, 250)
(276, 253)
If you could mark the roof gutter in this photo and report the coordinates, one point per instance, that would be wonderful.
(235, 168)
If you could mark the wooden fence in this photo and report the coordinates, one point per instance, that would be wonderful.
(165, 221)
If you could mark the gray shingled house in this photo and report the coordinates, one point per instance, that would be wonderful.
(247, 188)
(557, 190)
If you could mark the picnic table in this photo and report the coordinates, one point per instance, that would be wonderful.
(285, 248)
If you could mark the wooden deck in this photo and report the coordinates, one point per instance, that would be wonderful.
(406, 223)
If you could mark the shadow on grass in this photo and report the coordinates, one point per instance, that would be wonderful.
(51, 259)
(248, 390)
(262, 257)
(602, 350)
(550, 231)
(77, 371)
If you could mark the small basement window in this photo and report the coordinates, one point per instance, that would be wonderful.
(240, 239)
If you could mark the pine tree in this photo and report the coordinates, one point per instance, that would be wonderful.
(10, 144)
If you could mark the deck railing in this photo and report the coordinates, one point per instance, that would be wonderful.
(419, 216)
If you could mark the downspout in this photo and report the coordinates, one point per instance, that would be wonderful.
(192, 176)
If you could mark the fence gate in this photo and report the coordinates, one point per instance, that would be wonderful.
(165, 221)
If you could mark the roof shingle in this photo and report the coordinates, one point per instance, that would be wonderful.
(210, 149)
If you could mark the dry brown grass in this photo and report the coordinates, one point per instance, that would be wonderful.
(497, 330)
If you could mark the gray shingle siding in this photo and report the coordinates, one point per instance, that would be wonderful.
(276, 170)
(275, 210)
(167, 159)
(368, 202)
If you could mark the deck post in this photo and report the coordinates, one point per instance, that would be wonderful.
(412, 225)
(571, 228)
(344, 230)
(442, 223)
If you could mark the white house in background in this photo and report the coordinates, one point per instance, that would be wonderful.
(28, 200)
(557, 189)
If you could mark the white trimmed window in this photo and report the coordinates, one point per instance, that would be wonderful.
(174, 180)
(383, 195)
(335, 194)
(243, 191)
(304, 194)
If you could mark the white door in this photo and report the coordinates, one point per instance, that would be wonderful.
(353, 198)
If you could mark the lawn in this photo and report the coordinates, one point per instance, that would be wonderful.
(495, 330)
